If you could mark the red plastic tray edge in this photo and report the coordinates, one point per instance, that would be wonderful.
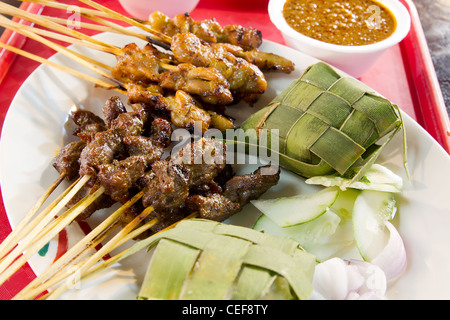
(427, 96)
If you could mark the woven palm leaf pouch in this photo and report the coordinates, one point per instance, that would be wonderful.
(327, 124)
(208, 260)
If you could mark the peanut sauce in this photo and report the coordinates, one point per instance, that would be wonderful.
(342, 22)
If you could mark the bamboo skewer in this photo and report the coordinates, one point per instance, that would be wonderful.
(105, 12)
(13, 238)
(41, 233)
(37, 19)
(92, 260)
(66, 7)
(9, 24)
(113, 14)
(74, 72)
(91, 240)
(65, 52)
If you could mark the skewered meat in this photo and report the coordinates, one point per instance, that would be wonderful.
(145, 67)
(204, 158)
(184, 110)
(66, 161)
(167, 185)
(242, 189)
(119, 177)
(137, 65)
(267, 62)
(87, 124)
(214, 207)
(243, 76)
(238, 191)
(208, 83)
(111, 110)
(207, 30)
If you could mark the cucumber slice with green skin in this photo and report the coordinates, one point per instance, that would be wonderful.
(291, 211)
(370, 211)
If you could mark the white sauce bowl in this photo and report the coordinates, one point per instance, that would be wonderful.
(354, 60)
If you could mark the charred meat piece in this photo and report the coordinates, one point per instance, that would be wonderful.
(242, 76)
(66, 162)
(214, 207)
(87, 123)
(242, 189)
(237, 192)
(144, 147)
(138, 93)
(119, 177)
(207, 30)
(161, 132)
(265, 61)
(184, 110)
(167, 186)
(136, 65)
(204, 158)
(101, 150)
(128, 124)
(208, 83)
(112, 109)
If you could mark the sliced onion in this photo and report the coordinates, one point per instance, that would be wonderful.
(392, 259)
(337, 279)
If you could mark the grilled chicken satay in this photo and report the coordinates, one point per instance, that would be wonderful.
(149, 66)
(207, 30)
(243, 77)
(184, 111)
(243, 42)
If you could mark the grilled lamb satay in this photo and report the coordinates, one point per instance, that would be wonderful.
(207, 30)
(237, 192)
(106, 145)
(66, 161)
(167, 185)
(143, 66)
(244, 77)
(112, 109)
(204, 158)
(87, 124)
(119, 177)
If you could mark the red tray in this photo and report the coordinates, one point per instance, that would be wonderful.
(404, 74)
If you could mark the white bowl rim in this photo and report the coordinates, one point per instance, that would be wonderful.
(400, 12)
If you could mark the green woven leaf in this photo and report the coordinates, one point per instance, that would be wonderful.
(326, 122)
(203, 259)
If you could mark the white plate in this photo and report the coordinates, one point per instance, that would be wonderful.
(34, 130)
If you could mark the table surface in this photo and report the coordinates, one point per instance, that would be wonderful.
(435, 18)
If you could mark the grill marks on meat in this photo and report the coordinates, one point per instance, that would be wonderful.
(207, 30)
(237, 192)
(243, 76)
(148, 66)
(66, 161)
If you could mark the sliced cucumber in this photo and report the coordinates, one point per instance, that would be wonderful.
(370, 211)
(310, 235)
(378, 178)
(291, 211)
